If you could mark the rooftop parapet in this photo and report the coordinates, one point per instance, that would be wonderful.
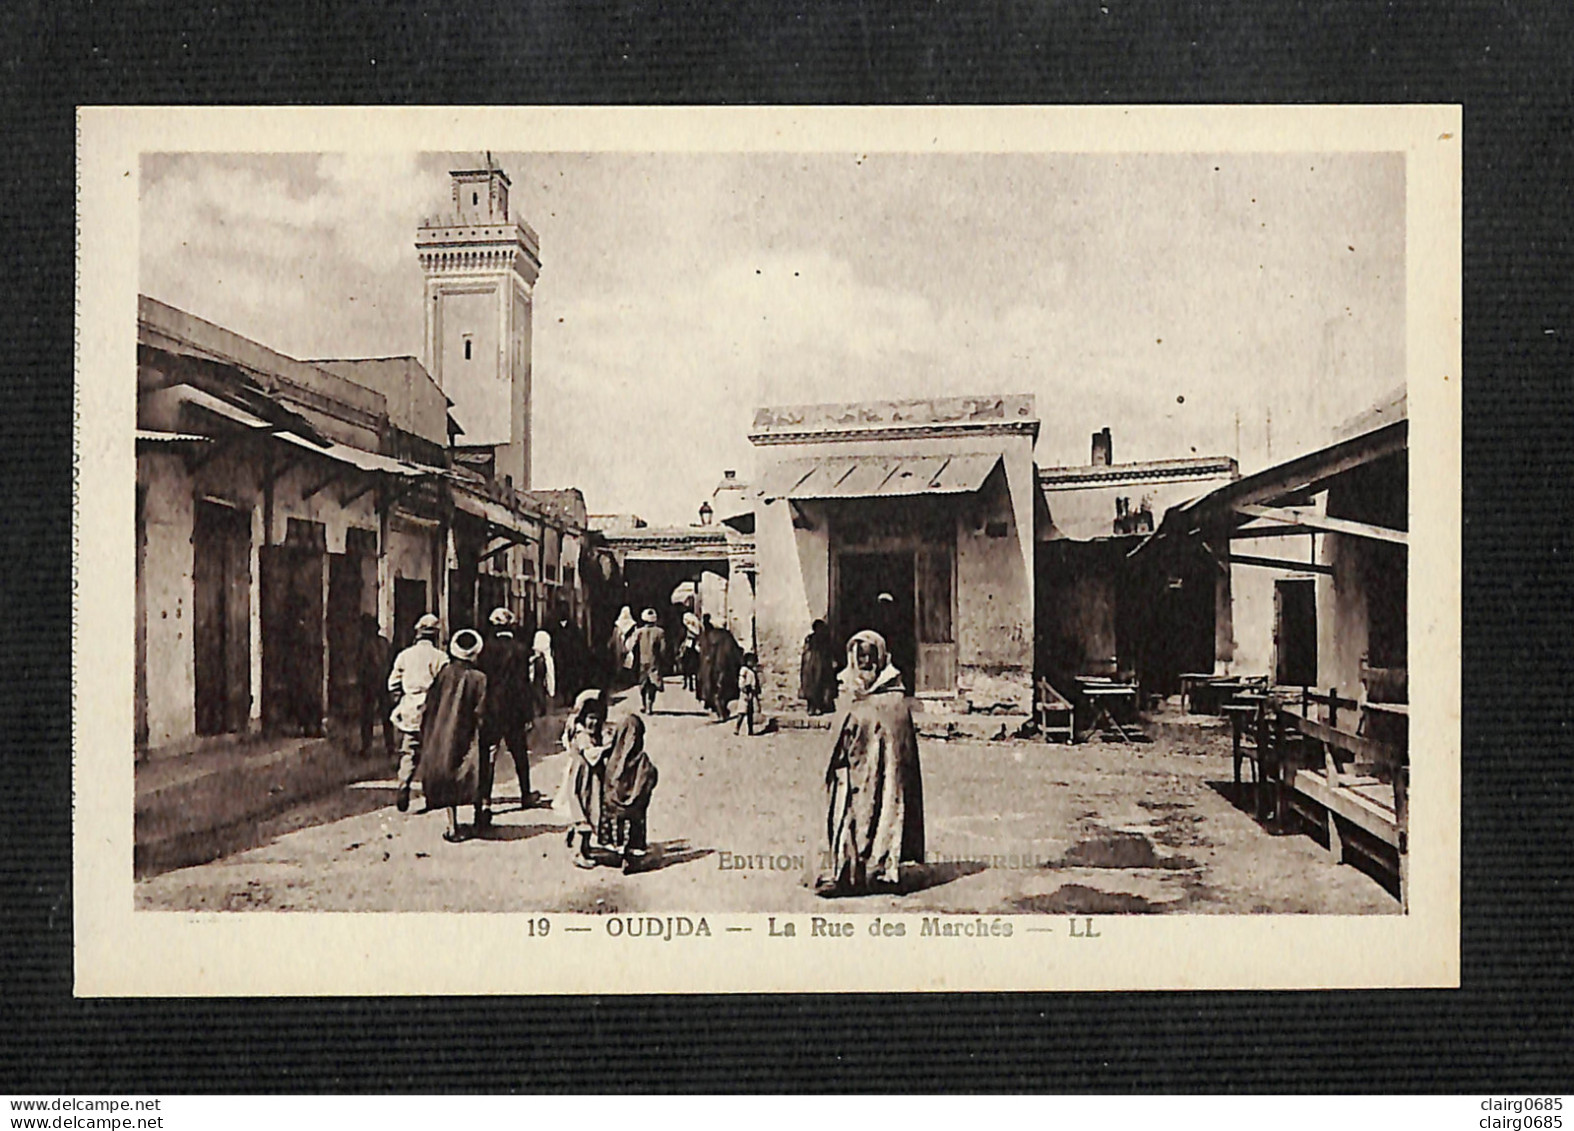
(992, 413)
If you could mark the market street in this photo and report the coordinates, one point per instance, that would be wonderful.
(1017, 826)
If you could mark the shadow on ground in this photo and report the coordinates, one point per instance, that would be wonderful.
(1079, 899)
(666, 854)
(1114, 848)
(917, 878)
(514, 832)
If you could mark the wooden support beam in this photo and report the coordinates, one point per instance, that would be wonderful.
(1298, 517)
(394, 498)
(223, 442)
(1281, 563)
(328, 481)
(1271, 530)
(508, 543)
(369, 485)
(279, 471)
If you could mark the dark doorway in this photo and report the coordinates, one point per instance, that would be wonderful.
(1295, 632)
(292, 631)
(221, 615)
(861, 578)
(409, 606)
(1183, 642)
(345, 578)
(1387, 580)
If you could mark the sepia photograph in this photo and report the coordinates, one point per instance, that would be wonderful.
(779, 541)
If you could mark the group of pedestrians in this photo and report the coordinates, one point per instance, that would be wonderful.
(454, 711)
(708, 657)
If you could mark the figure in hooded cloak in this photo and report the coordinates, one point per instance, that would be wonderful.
(621, 646)
(874, 792)
(817, 671)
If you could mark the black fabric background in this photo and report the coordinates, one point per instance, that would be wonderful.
(1507, 1030)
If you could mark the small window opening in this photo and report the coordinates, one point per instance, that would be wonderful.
(475, 198)
(467, 349)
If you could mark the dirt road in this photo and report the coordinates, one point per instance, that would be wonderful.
(735, 825)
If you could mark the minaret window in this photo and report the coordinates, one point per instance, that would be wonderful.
(467, 349)
(475, 198)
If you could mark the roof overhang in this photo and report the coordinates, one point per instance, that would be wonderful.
(501, 521)
(1250, 498)
(363, 460)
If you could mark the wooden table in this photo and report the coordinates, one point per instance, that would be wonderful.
(1189, 681)
(1103, 696)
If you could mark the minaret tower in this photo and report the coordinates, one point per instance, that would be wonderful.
(481, 269)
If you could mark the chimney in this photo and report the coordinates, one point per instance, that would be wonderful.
(1103, 453)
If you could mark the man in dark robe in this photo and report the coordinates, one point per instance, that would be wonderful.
(817, 672)
(874, 791)
(726, 663)
(450, 725)
(505, 661)
(705, 667)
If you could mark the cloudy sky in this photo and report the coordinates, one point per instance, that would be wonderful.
(1181, 300)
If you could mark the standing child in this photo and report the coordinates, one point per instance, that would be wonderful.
(749, 689)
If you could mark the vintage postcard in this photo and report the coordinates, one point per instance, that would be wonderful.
(685, 550)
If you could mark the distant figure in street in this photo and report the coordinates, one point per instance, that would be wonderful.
(720, 660)
(749, 692)
(372, 677)
(650, 656)
(689, 653)
(874, 792)
(896, 641)
(569, 654)
(543, 673)
(622, 646)
(414, 669)
(505, 661)
(817, 671)
(450, 754)
(704, 674)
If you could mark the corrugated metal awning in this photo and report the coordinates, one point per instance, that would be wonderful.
(360, 459)
(154, 436)
(866, 477)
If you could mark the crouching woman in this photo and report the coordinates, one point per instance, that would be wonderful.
(607, 786)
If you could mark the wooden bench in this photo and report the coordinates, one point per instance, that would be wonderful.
(1056, 717)
(1351, 789)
